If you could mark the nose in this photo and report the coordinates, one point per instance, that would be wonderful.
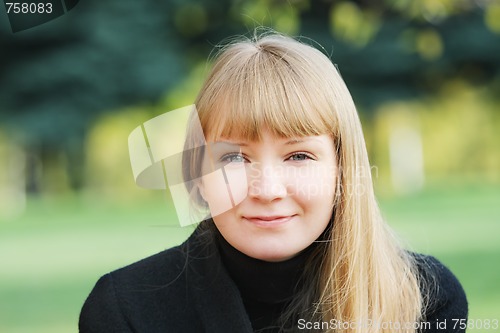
(266, 182)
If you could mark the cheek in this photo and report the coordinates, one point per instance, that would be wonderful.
(224, 188)
(314, 186)
(237, 180)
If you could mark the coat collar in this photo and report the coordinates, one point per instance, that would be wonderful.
(216, 297)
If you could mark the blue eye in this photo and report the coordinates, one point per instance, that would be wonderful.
(300, 157)
(232, 158)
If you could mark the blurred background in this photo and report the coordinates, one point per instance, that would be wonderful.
(424, 74)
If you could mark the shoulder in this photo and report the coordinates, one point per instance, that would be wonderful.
(160, 268)
(149, 292)
(442, 292)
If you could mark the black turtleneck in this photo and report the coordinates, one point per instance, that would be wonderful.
(167, 293)
(265, 287)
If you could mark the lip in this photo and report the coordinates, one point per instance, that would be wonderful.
(269, 221)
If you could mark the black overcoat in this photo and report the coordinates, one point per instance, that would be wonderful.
(187, 289)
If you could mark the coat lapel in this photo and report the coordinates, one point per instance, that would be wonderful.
(217, 299)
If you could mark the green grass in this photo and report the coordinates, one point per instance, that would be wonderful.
(51, 256)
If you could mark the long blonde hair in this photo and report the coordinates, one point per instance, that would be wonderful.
(360, 275)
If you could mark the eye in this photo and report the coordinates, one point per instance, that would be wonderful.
(232, 158)
(300, 157)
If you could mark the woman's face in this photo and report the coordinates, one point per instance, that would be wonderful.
(275, 196)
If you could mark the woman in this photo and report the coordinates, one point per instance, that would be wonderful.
(303, 246)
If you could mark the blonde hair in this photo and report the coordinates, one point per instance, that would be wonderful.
(360, 274)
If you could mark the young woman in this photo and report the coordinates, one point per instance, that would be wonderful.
(303, 246)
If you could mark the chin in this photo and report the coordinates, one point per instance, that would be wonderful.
(272, 255)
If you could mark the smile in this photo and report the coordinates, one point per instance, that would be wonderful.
(269, 221)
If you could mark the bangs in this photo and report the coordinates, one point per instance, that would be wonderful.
(263, 90)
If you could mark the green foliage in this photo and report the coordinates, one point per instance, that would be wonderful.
(279, 15)
(190, 19)
(102, 57)
(492, 17)
(352, 24)
(108, 164)
(458, 128)
(461, 133)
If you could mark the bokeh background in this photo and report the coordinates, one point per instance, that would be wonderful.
(425, 75)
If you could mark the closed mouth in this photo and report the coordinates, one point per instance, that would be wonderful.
(269, 220)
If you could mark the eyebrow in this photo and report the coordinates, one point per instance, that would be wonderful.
(296, 141)
(243, 144)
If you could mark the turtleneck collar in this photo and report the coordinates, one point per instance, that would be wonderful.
(262, 281)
